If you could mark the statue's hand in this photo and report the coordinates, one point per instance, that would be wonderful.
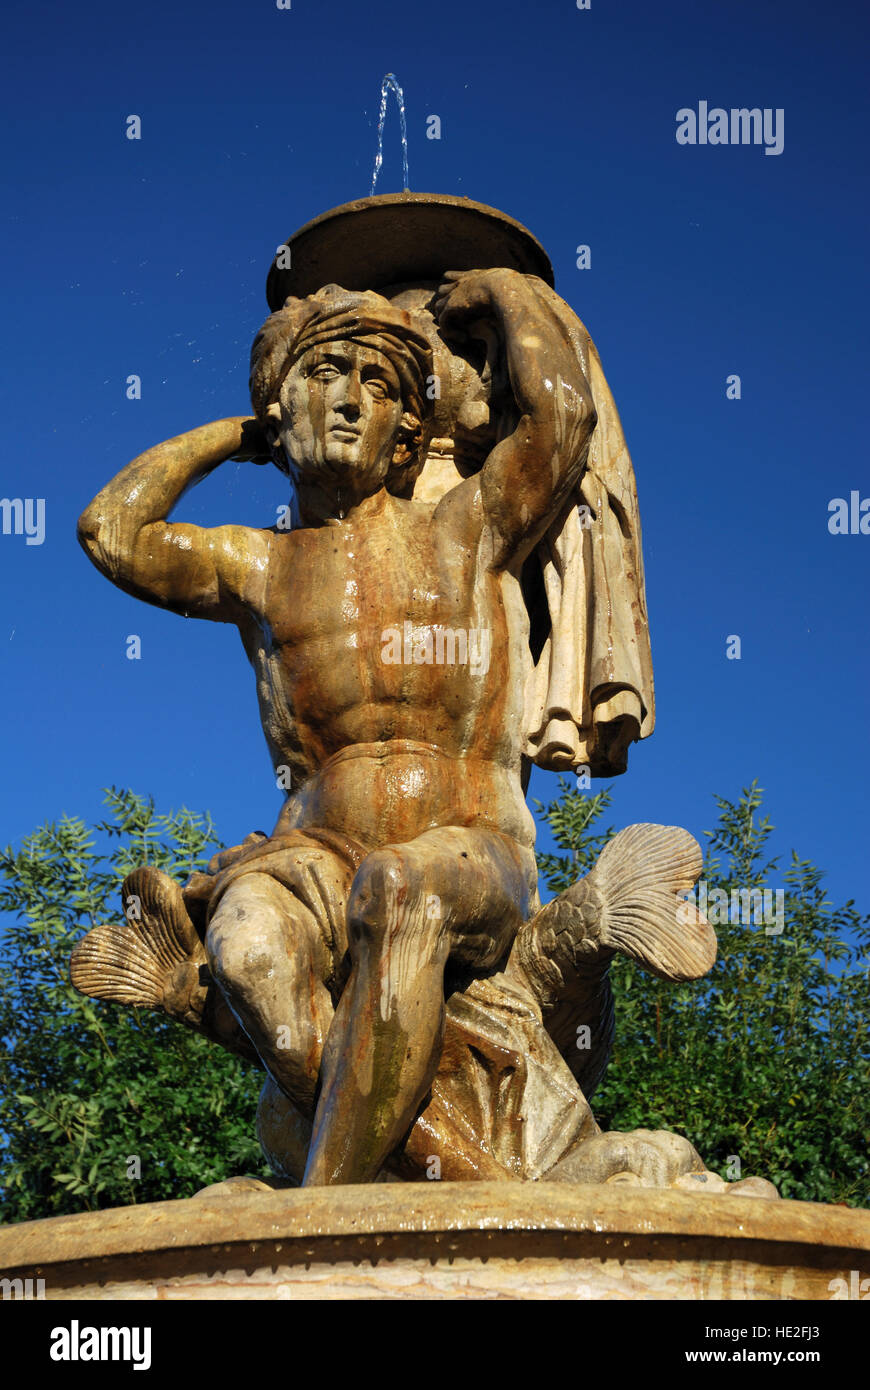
(254, 446)
(466, 297)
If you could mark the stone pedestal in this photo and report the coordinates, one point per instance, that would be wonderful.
(445, 1240)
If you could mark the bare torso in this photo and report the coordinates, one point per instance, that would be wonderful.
(378, 743)
(383, 657)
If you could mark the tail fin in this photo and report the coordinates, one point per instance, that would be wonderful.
(640, 876)
(152, 959)
(630, 902)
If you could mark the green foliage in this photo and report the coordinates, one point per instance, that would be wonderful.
(570, 820)
(767, 1058)
(87, 1086)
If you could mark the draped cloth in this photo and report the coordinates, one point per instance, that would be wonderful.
(590, 693)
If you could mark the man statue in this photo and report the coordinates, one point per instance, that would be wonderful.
(409, 809)
(381, 952)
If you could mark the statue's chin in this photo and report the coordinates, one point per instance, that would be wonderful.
(340, 476)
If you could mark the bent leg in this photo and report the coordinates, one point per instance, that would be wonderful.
(268, 956)
(452, 892)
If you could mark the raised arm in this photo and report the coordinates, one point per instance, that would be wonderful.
(213, 573)
(528, 477)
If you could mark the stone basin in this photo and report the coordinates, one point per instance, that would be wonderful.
(445, 1241)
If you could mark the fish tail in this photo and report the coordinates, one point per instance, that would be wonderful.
(152, 958)
(641, 878)
(629, 903)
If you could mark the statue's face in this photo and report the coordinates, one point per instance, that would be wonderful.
(340, 412)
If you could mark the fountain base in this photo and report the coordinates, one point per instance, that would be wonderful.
(446, 1241)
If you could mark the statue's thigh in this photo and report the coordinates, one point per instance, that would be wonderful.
(473, 884)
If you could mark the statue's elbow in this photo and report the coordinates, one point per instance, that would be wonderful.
(93, 537)
(87, 531)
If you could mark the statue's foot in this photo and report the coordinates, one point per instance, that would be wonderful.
(649, 1158)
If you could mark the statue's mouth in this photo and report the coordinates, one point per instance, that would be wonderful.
(345, 431)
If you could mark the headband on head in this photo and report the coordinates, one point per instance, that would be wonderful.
(334, 315)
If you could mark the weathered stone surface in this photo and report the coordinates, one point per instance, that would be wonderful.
(445, 1240)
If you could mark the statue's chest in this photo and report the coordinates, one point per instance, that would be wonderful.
(338, 584)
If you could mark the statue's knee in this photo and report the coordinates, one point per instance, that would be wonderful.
(242, 940)
(384, 882)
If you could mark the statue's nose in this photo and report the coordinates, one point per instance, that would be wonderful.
(351, 397)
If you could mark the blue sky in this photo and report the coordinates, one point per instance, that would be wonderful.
(150, 257)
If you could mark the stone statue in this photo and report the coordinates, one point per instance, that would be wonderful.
(460, 594)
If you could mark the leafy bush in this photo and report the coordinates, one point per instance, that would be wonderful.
(87, 1087)
(765, 1061)
(764, 1065)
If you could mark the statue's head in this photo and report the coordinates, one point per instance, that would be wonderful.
(338, 381)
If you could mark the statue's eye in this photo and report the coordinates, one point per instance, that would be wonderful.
(325, 372)
(377, 387)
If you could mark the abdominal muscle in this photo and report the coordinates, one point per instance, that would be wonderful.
(385, 793)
